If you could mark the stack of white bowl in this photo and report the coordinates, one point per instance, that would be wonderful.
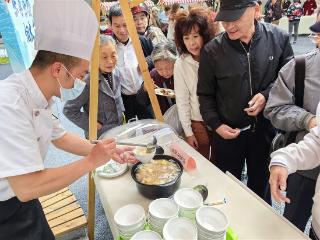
(129, 220)
(188, 200)
(212, 223)
(146, 235)
(180, 229)
(160, 211)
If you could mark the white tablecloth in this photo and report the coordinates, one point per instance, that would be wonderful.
(250, 217)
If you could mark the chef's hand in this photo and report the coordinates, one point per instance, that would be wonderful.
(101, 153)
(278, 183)
(192, 141)
(256, 105)
(312, 123)
(227, 132)
(124, 155)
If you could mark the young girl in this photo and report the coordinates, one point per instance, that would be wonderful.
(192, 31)
(164, 56)
(110, 106)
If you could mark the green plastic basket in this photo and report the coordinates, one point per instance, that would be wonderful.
(229, 236)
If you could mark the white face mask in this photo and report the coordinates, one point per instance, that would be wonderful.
(71, 93)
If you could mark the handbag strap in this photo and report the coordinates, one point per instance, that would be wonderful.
(299, 89)
(299, 79)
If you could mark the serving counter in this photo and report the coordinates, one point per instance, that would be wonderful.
(249, 216)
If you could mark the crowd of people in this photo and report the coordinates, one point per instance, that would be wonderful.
(233, 76)
(274, 10)
(233, 88)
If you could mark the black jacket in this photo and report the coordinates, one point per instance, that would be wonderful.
(147, 48)
(224, 87)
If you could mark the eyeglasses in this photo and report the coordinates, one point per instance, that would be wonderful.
(314, 37)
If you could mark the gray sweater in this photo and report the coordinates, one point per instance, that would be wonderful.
(281, 109)
(110, 105)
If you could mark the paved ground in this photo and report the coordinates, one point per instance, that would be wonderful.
(79, 188)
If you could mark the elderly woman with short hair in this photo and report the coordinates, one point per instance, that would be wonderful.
(164, 56)
(110, 105)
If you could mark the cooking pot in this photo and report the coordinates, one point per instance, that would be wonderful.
(162, 190)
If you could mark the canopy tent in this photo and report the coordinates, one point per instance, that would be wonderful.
(170, 2)
(105, 6)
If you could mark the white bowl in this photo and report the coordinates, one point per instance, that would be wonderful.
(212, 220)
(129, 216)
(142, 156)
(131, 230)
(146, 235)
(188, 199)
(180, 229)
(163, 208)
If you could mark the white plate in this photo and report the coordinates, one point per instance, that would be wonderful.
(188, 200)
(129, 217)
(180, 229)
(166, 92)
(112, 169)
(163, 209)
(212, 220)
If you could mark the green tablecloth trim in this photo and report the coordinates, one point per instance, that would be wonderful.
(4, 60)
(229, 236)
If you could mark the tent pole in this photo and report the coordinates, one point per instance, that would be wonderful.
(93, 114)
(148, 83)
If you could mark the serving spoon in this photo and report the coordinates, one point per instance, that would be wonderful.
(149, 146)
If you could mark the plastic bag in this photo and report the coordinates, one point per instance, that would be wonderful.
(171, 117)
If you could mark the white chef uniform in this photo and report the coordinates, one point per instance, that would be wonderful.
(27, 125)
(27, 128)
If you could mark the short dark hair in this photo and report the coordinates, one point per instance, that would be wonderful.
(167, 8)
(175, 7)
(186, 20)
(45, 58)
(115, 11)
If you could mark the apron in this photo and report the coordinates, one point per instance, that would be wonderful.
(23, 221)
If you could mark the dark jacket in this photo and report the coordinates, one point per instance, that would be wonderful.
(110, 106)
(272, 12)
(164, 102)
(147, 48)
(224, 87)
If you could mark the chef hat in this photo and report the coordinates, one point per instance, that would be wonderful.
(68, 27)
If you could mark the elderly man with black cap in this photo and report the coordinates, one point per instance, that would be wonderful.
(28, 127)
(236, 72)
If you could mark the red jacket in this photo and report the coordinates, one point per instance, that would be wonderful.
(309, 6)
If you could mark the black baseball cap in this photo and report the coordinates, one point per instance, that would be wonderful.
(315, 27)
(232, 10)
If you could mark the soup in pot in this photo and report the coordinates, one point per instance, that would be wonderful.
(157, 172)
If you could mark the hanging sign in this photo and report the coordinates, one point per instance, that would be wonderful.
(17, 30)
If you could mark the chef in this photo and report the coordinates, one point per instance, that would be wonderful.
(65, 35)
